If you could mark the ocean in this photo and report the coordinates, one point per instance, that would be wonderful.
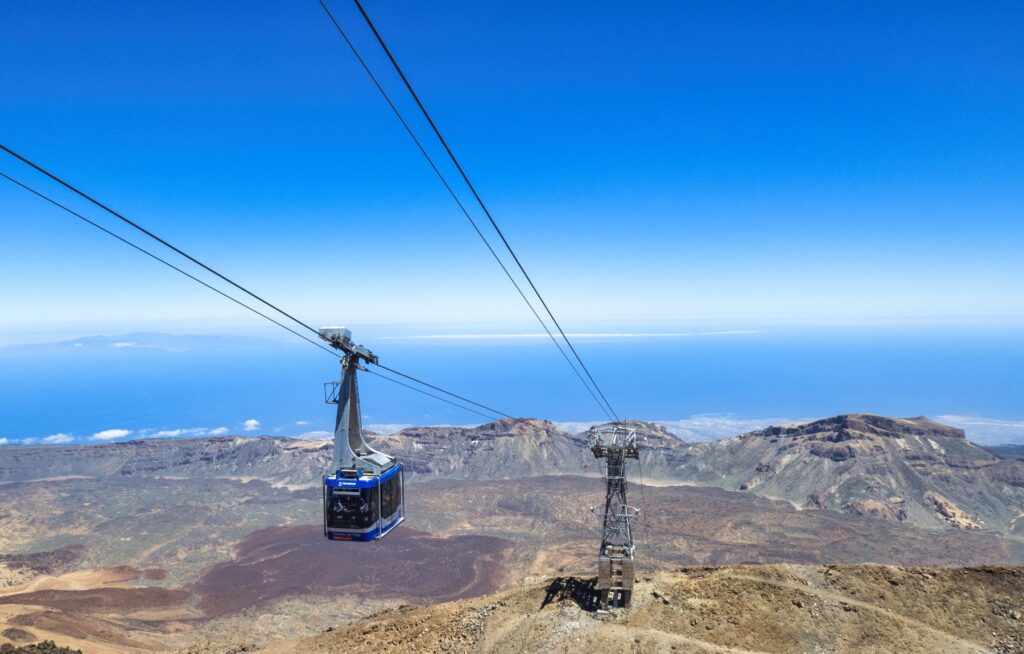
(707, 383)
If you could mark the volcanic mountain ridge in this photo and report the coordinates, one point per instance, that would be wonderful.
(898, 469)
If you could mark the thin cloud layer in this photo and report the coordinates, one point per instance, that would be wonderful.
(58, 439)
(701, 427)
(578, 335)
(185, 432)
(388, 428)
(698, 427)
(114, 434)
(987, 431)
(110, 434)
(713, 427)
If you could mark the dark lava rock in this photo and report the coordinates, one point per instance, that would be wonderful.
(44, 647)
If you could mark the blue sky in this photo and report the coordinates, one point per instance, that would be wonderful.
(654, 163)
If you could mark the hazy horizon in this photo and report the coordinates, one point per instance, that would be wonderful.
(821, 202)
(700, 384)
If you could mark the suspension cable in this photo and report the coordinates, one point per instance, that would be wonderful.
(433, 166)
(464, 399)
(427, 393)
(161, 260)
(479, 201)
(152, 235)
(330, 351)
(476, 195)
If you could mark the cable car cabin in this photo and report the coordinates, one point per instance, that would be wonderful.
(363, 498)
(363, 507)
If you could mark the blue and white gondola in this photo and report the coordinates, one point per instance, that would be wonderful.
(363, 497)
(363, 508)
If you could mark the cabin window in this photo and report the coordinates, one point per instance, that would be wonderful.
(391, 496)
(351, 509)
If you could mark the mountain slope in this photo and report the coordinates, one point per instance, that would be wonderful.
(161, 544)
(279, 461)
(506, 449)
(898, 469)
(728, 610)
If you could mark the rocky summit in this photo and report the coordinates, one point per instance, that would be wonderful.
(897, 469)
(505, 449)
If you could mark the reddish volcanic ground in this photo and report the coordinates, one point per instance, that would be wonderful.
(297, 560)
(101, 600)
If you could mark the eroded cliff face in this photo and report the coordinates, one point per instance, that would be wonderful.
(892, 468)
(506, 449)
(863, 464)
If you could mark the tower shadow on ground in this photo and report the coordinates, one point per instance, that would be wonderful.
(582, 592)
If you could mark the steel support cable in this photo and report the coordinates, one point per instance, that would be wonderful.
(161, 260)
(151, 235)
(216, 290)
(436, 397)
(479, 200)
(420, 381)
(455, 197)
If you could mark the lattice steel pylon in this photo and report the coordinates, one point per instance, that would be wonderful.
(615, 444)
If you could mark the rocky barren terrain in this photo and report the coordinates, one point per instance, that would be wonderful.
(213, 544)
(721, 610)
(913, 470)
(899, 469)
